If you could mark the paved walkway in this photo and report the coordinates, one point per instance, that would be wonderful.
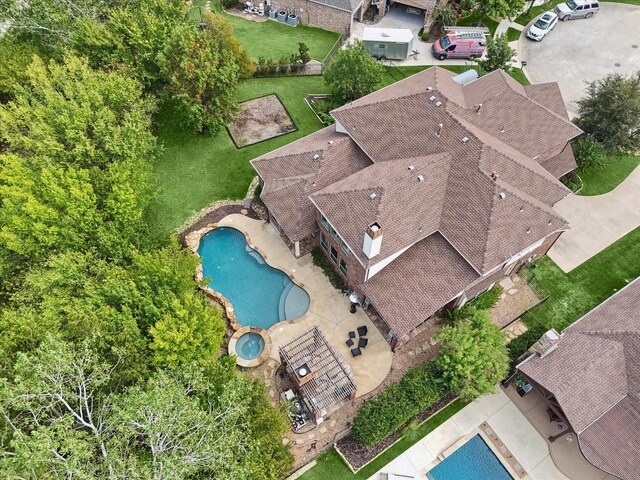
(596, 222)
(503, 417)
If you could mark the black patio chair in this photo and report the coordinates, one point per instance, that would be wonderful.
(362, 343)
(349, 343)
(362, 331)
(355, 352)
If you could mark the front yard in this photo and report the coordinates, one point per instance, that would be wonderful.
(597, 181)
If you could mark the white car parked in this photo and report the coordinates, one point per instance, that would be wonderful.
(542, 26)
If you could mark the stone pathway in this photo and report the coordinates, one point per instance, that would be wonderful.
(596, 222)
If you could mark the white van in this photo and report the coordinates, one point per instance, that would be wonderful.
(577, 9)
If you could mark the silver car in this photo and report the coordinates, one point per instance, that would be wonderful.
(577, 9)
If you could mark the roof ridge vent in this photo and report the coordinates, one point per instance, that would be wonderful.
(372, 196)
(438, 104)
(429, 89)
(432, 98)
(478, 108)
(464, 139)
(502, 195)
(315, 156)
(421, 178)
(411, 167)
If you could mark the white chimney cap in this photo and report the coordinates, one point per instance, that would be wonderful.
(374, 228)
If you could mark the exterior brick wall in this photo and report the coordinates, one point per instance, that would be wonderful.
(355, 271)
(318, 15)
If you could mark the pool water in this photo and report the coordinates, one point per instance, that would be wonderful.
(472, 461)
(250, 345)
(261, 295)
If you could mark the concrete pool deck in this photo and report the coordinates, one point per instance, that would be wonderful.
(328, 309)
(519, 437)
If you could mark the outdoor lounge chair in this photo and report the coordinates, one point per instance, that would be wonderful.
(352, 334)
(355, 352)
(362, 331)
(349, 343)
(362, 342)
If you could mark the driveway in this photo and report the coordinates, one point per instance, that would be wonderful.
(582, 50)
(596, 222)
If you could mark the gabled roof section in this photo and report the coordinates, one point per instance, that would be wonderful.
(418, 283)
(549, 96)
(404, 196)
(295, 171)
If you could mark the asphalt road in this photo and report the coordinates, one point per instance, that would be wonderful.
(583, 50)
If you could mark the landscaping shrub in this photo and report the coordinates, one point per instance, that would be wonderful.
(321, 260)
(424, 37)
(382, 415)
(488, 299)
(303, 53)
(589, 153)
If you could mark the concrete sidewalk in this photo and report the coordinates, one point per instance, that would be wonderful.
(596, 222)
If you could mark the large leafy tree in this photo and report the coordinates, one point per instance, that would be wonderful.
(77, 167)
(472, 357)
(498, 55)
(501, 8)
(610, 111)
(202, 67)
(353, 73)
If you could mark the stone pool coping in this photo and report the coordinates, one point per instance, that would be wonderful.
(260, 359)
(192, 242)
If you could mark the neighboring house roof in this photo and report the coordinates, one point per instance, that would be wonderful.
(595, 376)
(418, 283)
(291, 174)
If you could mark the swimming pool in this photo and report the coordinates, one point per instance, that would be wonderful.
(473, 460)
(261, 295)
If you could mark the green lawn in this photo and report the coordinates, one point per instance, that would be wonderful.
(331, 466)
(271, 39)
(602, 180)
(575, 293)
(529, 15)
(475, 18)
(513, 34)
(196, 170)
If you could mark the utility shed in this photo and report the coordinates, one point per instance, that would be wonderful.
(392, 43)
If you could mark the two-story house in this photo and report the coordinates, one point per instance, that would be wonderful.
(427, 192)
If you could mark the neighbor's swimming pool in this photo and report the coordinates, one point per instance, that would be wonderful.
(473, 460)
(261, 295)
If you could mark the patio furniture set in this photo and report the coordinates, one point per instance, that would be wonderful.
(362, 341)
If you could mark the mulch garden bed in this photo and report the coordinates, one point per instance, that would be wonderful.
(260, 119)
(359, 455)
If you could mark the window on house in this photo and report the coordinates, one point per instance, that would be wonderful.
(335, 235)
(343, 266)
(345, 249)
(325, 222)
(323, 241)
(334, 255)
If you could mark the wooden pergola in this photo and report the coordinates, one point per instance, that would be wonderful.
(323, 378)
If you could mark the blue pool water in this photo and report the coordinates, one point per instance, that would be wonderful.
(250, 345)
(472, 461)
(261, 295)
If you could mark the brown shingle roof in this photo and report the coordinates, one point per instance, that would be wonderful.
(562, 163)
(407, 209)
(418, 283)
(291, 174)
(548, 95)
(595, 376)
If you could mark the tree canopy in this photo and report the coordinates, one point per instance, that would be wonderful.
(501, 8)
(353, 73)
(610, 112)
(472, 358)
(498, 55)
